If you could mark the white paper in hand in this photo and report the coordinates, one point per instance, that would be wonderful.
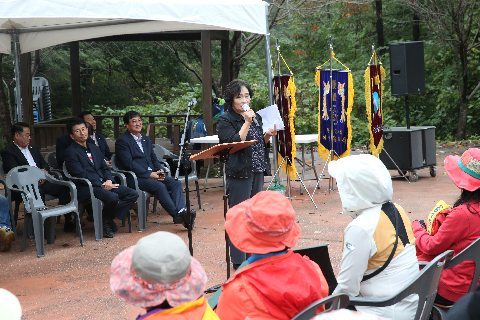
(270, 116)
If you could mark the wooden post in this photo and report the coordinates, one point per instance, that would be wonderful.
(99, 125)
(207, 81)
(225, 64)
(26, 87)
(75, 77)
(116, 127)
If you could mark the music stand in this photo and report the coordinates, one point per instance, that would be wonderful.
(223, 151)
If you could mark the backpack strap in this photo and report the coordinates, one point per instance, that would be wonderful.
(387, 207)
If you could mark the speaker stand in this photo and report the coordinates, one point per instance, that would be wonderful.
(400, 171)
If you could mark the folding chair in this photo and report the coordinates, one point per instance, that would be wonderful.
(52, 163)
(192, 176)
(97, 205)
(160, 153)
(424, 285)
(143, 196)
(472, 252)
(25, 179)
(337, 301)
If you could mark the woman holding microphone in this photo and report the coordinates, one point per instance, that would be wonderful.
(245, 169)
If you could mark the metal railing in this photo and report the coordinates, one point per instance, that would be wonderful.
(46, 133)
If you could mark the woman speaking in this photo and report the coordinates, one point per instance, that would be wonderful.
(245, 168)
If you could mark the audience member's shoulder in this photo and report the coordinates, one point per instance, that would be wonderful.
(8, 148)
(123, 137)
(71, 147)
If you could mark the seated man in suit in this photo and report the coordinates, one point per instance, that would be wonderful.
(21, 153)
(97, 138)
(85, 160)
(64, 141)
(135, 153)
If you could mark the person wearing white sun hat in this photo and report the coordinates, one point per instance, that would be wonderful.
(378, 257)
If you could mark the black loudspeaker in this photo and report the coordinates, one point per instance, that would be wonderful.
(404, 146)
(407, 68)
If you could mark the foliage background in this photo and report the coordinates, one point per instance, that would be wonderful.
(148, 77)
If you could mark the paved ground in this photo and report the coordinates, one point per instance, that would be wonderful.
(72, 282)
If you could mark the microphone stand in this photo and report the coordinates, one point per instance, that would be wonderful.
(184, 163)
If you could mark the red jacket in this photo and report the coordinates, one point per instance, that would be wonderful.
(458, 231)
(276, 287)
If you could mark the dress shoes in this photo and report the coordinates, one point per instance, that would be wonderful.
(107, 232)
(185, 218)
(178, 220)
(113, 226)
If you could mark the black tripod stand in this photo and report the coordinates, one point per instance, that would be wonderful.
(184, 163)
(223, 151)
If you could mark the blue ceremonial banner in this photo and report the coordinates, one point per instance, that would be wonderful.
(341, 89)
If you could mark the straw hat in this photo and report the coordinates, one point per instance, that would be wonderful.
(465, 170)
(263, 224)
(158, 268)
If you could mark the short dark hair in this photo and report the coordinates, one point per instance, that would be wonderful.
(73, 122)
(18, 127)
(84, 113)
(130, 115)
(233, 89)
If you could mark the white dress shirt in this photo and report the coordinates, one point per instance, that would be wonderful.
(27, 155)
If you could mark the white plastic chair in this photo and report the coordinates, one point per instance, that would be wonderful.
(25, 179)
(143, 196)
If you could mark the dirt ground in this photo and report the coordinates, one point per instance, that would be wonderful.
(72, 282)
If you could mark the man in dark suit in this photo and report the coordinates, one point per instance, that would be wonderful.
(85, 160)
(135, 153)
(21, 153)
(97, 138)
(64, 141)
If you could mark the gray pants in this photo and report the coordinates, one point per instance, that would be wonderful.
(241, 189)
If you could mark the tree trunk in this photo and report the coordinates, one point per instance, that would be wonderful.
(379, 26)
(5, 120)
(463, 108)
(416, 27)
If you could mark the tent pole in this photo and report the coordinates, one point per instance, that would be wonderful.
(268, 57)
(16, 61)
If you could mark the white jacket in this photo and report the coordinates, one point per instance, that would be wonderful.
(364, 185)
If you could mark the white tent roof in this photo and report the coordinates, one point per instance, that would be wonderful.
(44, 23)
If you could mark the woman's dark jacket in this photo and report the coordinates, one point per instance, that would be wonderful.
(239, 164)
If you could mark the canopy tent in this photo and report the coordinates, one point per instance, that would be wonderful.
(41, 24)
(37, 24)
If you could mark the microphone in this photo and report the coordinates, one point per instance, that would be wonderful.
(245, 107)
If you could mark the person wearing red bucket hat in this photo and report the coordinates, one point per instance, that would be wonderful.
(277, 283)
(460, 228)
(159, 274)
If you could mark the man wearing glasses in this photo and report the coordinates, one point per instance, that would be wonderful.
(21, 153)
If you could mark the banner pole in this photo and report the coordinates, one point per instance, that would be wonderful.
(332, 150)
